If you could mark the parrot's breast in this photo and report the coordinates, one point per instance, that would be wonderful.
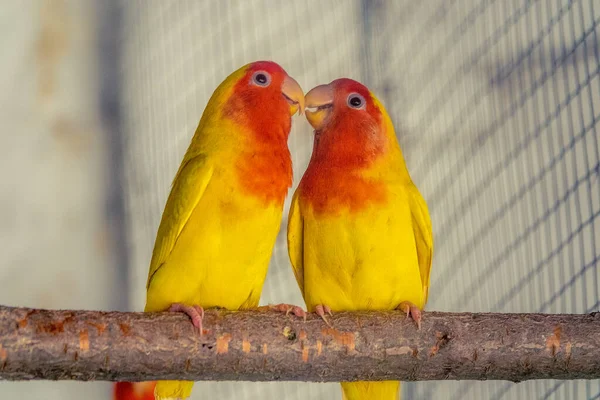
(361, 260)
(331, 191)
(265, 173)
(221, 257)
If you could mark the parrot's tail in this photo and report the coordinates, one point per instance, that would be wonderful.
(134, 390)
(382, 390)
(173, 390)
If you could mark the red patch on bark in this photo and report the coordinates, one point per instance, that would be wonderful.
(53, 328)
(84, 340)
(99, 327)
(223, 343)
(125, 329)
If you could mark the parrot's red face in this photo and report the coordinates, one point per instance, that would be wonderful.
(264, 99)
(348, 123)
(350, 136)
(261, 103)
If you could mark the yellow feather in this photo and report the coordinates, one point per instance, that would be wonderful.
(423, 236)
(295, 241)
(363, 261)
(371, 390)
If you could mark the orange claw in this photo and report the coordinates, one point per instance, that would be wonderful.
(411, 311)
(321, 310)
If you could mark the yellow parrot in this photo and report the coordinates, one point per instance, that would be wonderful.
(359, 232)
(223, 214)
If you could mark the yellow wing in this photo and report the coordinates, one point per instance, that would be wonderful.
(295, 240)
(188, 187)
(423, 235)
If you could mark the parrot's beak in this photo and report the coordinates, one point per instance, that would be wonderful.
(319, 103)
(293, 94)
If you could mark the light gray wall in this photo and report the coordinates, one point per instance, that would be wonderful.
(57, 247)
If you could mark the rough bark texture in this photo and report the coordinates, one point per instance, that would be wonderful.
(268, 346)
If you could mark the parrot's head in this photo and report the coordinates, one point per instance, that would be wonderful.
(262, 96)
(349, 122)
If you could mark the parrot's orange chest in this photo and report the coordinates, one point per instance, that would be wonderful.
(343, 172)
(333, 190)
(263, 165)
(266, 173)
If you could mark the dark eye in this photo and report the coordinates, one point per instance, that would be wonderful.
(261, 78)
(355, 100)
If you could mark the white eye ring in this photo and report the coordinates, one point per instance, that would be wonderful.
(356, 101)
(261, 78)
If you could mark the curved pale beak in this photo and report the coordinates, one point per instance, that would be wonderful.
(319, 103)
(293, 94)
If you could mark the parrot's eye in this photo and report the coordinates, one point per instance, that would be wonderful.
(355, 100)
(261, 78)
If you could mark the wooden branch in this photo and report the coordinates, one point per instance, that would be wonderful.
(268, 346)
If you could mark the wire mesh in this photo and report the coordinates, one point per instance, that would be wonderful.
(496, 104)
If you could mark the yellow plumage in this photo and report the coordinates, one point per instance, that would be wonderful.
(359, 233)
(361, 261)
(222, 216)
(211, 224)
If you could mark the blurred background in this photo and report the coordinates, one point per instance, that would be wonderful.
(496, 104)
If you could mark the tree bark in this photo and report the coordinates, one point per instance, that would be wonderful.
(269, 346)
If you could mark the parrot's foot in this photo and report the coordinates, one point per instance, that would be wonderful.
(411, 311)
(321, 310)
(288, 309)
(196, 313)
